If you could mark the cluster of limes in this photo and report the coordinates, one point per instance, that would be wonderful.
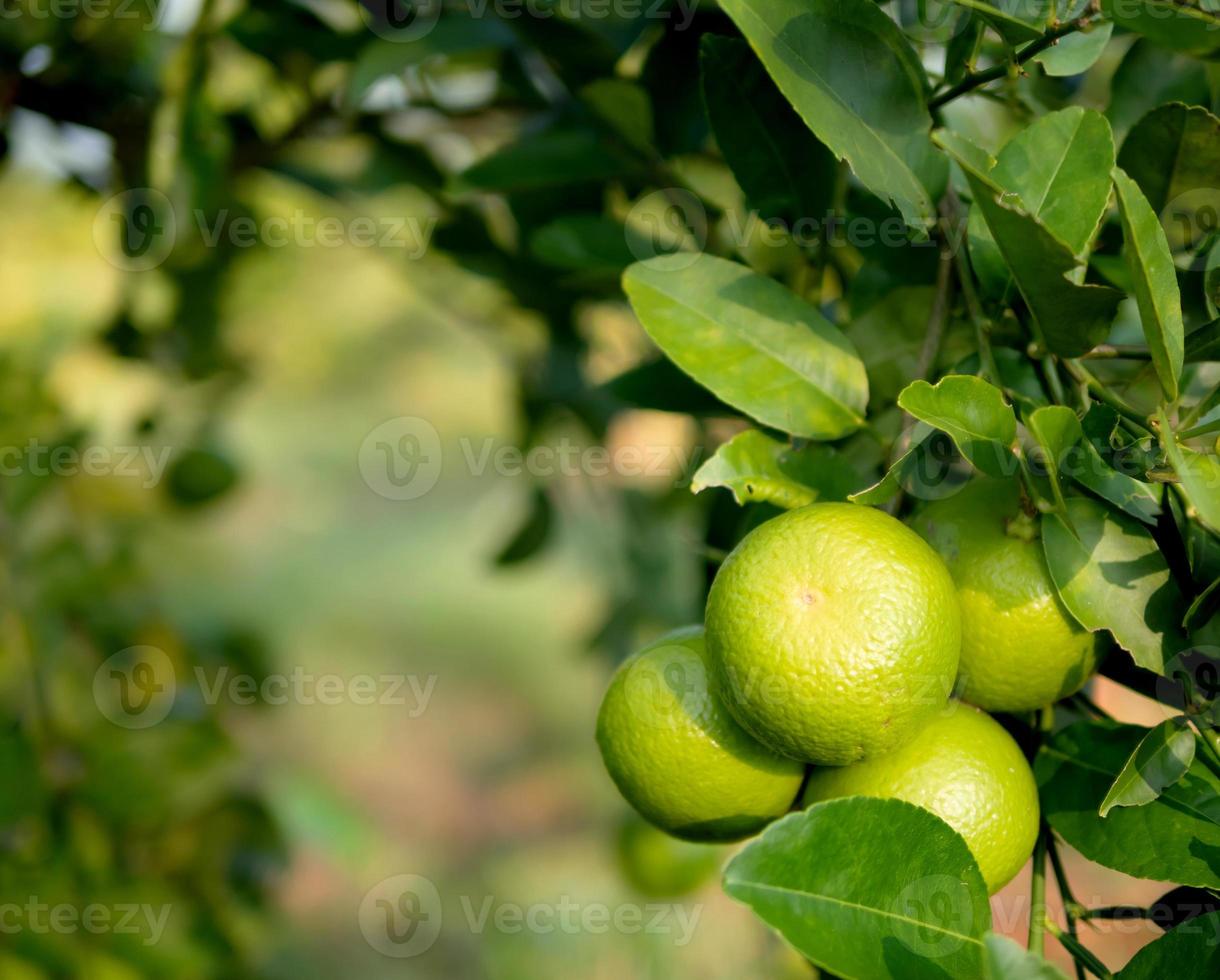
(844, 654)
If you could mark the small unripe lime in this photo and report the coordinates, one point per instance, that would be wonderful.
(967, 770)
(1021, 649)
(835, 633)
(679, 757)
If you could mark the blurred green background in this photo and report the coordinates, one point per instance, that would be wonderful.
(235, 520)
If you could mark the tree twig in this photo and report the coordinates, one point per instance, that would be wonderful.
(1035, 48)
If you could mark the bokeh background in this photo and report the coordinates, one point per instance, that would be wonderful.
(276, 381)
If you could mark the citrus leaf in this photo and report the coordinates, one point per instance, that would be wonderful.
(1074, 318)
(1014, 20)
(1203, 344)
(931, 468)
(974, 415)
(1156, 282)
(755, 344)
(1211, 280)
(1076, 769)
(852, 76)
(1111, 575)
(625, 107)
(1178, 26)
(556, 158)
(756, 467)
(783, 169)
(1130, 495)
(1076, 53)
(450, 35)
(1057, 431)
(868, 888)
(1059, 168)
(584, 243)
(1173, 153)
(1006, 960)
(1190, 950)
(1160, 760)
(1200, 476)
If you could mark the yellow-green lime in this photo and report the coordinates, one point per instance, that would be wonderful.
(661, 866)
(967, 770)
(678, 756)
(834, 631)
(1021, 649)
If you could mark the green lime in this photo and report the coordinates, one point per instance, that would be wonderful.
(967, 770)
(834, 630)
(1020, 648)
(662, 866)
(677, 755)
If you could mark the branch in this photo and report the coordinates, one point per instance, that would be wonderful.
(1035, 48)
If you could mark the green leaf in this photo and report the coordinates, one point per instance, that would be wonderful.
(974, 415)
(1014, 20)
(890, 337)
(929, 470)
(1176, 837)
(555, 158)
(1211, 280)
(756, 345)
(1179, 26)
(1059, 168)
(1203, 344)
(1173, 153)
(1160, 760)
(1149, 76)
(1076, 53)
(532, 536)
(1006, 960)
(624, 107)
(1057, 431)
(1190, 950)
(585, 243)
(1111, 575)
(868, 888)
(851, 75)
(756, 467)
(1094, 472)
(1200, 476)
(1074, 318)
(783, 169)
(450, 35)
(1156, 282)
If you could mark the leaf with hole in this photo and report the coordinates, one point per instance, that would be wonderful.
(756, 467)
